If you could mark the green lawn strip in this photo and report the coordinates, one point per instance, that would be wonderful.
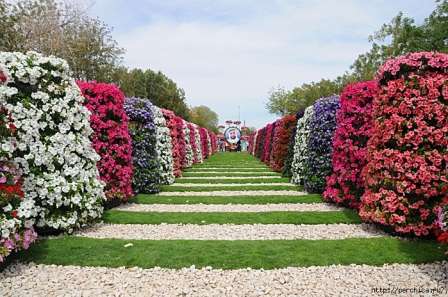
(155, 199)
(175, 188)
(267, 254)
(238, 218)
(232, 181)
(228, 170)
(235, 174)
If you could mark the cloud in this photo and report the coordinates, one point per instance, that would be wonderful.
(227, 54)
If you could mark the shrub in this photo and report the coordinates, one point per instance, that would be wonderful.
(111, 138)
(354, 128)
(259, 149)
(180, 141)
(282, 136)
(322, 127)
(267, 143)
(15, 233)
(53, 150)
(164, 148)
(198, 141)
(301, 146)
(287, 170)
(406, 175)
(142, 129)
(204, 143)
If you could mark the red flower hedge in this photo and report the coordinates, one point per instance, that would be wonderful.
(193, 142)
(111, 138)
(259, 148)
(266, 157)
(406, 176)
(171, 123)
(354, 128)
(282, 136)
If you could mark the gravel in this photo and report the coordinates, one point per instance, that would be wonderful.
(230, 231)
(228, 207)
(353, 280)
(234, 185)
(235, 193)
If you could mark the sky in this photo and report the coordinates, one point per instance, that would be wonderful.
(230, 53)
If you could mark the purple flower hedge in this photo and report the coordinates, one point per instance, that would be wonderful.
(144, 155)
(322, 128)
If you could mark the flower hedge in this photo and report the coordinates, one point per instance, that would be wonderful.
(406, 175)
(198, 141)
(287, 169)
(15, 233)
(189, 154)
(142, 129)
(163, 147)
(265, 157)
(354, 128)
(111, 138)
(282, 136)
(204, 143)
(171, 123)
(53, 149)
(259, 148)
(180, 142)
(301, 146)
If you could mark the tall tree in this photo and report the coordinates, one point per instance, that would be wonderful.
(205, 117)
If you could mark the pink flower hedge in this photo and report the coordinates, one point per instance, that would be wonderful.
(171, 123)
(354, 128)
(193, 143)
(181, 141)
(406, 176)
(111, 138)
(204, 142)
(282, 136)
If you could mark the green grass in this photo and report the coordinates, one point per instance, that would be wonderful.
(268, 254)
(155, 199)
(238, 218)
(232, 181)
(230, 169)
(236, 174)
(175, 188)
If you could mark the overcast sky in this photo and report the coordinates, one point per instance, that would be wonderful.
(230, 53)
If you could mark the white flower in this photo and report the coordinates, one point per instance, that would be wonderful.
(301, 145)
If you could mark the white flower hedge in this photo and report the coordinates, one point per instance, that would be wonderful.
(301, 145)
(189, 156)
(197, 136)
(53, 149)
(164, 148)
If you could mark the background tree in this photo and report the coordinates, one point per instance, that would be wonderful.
(205, 117)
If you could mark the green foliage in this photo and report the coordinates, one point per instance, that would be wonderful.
(205, 117)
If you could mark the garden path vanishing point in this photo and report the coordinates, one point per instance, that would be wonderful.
(229, 227)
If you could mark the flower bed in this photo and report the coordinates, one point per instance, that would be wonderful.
(354, 128)
(15, 233)
(282, 137)
(180, 141)
(322, 126)
(406, 175)
(287, 169)
(53, 150)
(301, 146)
(204, 142)
(111, 138)
(259, 149)
(163, 148)
(197, 136)
(142, 129)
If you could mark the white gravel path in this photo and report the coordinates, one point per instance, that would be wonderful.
(234, 193)
(230, 177)
(186, 185)
(230, 232)
(346, 281)
(228, 207)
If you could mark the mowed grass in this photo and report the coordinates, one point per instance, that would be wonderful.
(156, 199)
(235, 174)
(232, 181)
(228, 170)
(267, 254)
(238, 218)
(243, 187)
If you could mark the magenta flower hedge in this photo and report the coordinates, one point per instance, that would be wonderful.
(354, 128)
